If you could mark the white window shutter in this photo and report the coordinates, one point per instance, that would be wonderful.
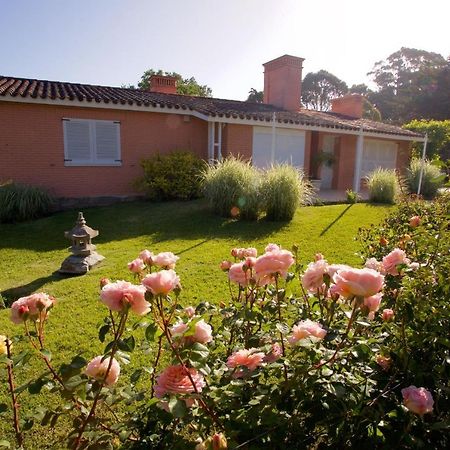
(77, 137)
(106, 141)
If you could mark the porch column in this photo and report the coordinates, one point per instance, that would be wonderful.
(219, 142)
(358, 160)
(211, 139)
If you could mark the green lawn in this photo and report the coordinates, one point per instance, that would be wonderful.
(30, 253)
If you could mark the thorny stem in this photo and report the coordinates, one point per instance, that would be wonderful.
(167, 333)
(155, 365)
(120, 330)
(344, 339)
(15, 404)
(280, 319)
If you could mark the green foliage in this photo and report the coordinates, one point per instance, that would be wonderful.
(284, 189)
(255, 96)
(172, 176)
(383, 185)
(232, 187)
(185, 86)
(352, 196)
(319, 88)
(438, 137)
(19, 202)
(432, 178)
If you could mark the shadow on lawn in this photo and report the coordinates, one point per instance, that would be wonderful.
(12, 294)
(158, 221)
(325, 230)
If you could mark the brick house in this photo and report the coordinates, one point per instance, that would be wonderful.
(80, 140)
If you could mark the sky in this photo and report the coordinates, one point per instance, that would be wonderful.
(223, 44)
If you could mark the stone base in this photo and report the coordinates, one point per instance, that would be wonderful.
(79, 265)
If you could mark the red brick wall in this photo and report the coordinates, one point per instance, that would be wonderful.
(32, 147)
(238, 140)
(345, 163)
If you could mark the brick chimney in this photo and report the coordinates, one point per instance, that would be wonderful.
(163, 84)
(283, 82)
(349, 105)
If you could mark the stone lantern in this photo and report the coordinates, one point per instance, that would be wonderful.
(83, 251)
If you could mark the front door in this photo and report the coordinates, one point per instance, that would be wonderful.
(327, 169)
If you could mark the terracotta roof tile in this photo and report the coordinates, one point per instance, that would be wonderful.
(214, 107)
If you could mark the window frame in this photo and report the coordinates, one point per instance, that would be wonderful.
(93, 161)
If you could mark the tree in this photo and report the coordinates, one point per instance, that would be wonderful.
(185, 86)
(403, 78)
(255, 96)
(319, 88)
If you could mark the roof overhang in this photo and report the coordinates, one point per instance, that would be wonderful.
(167, 109)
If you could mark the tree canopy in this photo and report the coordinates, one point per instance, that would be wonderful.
(319, 88)
(185, 86)
(255, 96)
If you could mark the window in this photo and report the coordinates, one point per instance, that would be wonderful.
(91, 142)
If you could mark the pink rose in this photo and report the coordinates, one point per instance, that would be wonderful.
(388, 314)
(318, 256)
(249, 358)
(176, 380)
(178, 329)
(250, 261)
(97, 369)
(307, 329)
(136, 266)
(373, 303)
(372, 263)
(312, 279)
(202, 333)
(272, 248)
(225, 265)
(242, 253)
(166, 260)
(359, 282)
(238, 275)
(33, 307)
(384, 362)
(275, 353)
(393, 259)
(161, 282)
(121, 295)
(190, 311)
(147, 257)
(415, 221)
(418, 400)
(273, 262)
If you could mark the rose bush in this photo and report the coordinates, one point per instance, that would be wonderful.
(322, 357)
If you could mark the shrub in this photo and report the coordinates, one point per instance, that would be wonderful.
(383, 185)
(19, 202)
(432, 178)
(172, 176)
(352, 196)
(232, 187)
(283, 190)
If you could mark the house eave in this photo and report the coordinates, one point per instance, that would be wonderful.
(167, 109)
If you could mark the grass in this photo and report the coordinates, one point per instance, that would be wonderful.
(31, 252)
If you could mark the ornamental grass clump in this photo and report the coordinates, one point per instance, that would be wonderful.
(19, 202)
(383, 185)
(284, 189)
(232, 188)
(432, 178)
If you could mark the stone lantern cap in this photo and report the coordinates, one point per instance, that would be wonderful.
(81, 230)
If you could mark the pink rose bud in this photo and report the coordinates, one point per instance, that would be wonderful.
(225, 265)
(318, 257)
(146, 256)
(418, 400)
(275, 353)
(388, 314)
(162, 282)
(219, 442)
(234, 252)
(313, 277)
(202, 333)
(166, 260)
(414, 221)
(307, 329)
(97, 369)
(34, 307)
(189, 311)
(121, 295)
(384, 362)
(373, 303)
(104, 282)
(136, 266)
(250, 261)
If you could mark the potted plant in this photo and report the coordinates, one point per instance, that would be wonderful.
(320, 159)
